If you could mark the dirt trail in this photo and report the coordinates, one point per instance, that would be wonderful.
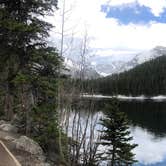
(6, 158)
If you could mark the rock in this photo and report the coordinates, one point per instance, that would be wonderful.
(28, 145)
(27, 151)
(2, 122)
(9, 138)
(44, 164)
(4, 126)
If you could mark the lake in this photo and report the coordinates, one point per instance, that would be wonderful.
(147, 126)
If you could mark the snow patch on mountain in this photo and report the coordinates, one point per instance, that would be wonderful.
(99, 65)
(77, 70)
(110, 65)
(144, 57)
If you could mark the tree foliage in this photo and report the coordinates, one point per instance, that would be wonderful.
(116, 136)
(148, 79)
(29, 69)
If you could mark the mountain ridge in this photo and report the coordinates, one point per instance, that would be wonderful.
(148, 78)
(99, 66)
(111, 67)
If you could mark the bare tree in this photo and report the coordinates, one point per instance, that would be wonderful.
(82, 147)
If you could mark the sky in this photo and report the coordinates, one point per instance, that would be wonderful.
(113, 27)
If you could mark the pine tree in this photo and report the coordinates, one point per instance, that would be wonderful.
(29, 68)
(116, 136)
(22, 32)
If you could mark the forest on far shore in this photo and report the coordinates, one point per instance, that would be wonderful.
(147, 79)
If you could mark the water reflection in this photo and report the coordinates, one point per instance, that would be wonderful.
(148, 127)
(148, 115)
(151, 150)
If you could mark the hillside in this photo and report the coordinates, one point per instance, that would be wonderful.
(119, 63)
(102, 66)
(148, 79)
(76, 70)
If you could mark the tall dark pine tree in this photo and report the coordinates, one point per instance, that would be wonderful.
(116, 136)
(22, 31)
(29, 67)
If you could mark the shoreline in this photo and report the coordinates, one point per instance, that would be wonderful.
(123, 97)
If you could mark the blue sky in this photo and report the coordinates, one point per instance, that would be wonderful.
(133, 13)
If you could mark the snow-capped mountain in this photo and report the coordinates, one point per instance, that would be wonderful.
(105, 69)
(77, 70)
(98, 66)
(144, 56)
(109, 65)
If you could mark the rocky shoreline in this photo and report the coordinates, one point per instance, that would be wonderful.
(27, 151)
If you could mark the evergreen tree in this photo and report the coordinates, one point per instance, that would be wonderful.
(147, 79)
(116, 136)
(22, 32)
(29, 69)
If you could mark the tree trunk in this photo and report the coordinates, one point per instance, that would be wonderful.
(27, 103)
(8, 106)
(113, 156)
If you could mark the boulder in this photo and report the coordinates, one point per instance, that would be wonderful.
(43, 164)
(27, 151)
(9, 138)
(2, 122)
(5, 126)
(28, 145)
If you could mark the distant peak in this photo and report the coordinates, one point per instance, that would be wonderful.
(159, 48)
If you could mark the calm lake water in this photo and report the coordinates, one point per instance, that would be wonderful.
(148, 126)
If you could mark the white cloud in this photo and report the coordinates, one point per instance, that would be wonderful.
(119, 2)
(108, 32)
(157, 7)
